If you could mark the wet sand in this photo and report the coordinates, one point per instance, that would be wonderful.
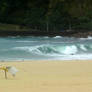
(48, 76)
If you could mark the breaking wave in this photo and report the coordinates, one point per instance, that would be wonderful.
(53, 50)
(45, 48)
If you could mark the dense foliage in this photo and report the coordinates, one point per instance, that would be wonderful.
(47, 15)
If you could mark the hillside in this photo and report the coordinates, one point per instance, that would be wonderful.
(46, 16)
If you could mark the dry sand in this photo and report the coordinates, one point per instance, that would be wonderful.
(48, 76)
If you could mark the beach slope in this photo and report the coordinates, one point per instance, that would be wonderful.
(48, 76)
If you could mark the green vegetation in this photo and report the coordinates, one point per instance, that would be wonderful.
(13, 27)
(48, 15)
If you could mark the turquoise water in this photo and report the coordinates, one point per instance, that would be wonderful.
(45, 48)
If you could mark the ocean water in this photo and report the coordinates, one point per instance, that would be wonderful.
(45, 48)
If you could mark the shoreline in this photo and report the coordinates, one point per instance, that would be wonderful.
(74, 33)
(44, 60)
(19, 30)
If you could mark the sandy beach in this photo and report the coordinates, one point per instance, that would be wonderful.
(48, 76)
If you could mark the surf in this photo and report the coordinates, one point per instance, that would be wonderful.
(44, 48)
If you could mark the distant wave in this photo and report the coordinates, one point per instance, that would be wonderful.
(88, 38)
(26, 41)
(58, 37)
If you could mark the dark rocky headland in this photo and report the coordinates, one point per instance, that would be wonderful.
(16, 30)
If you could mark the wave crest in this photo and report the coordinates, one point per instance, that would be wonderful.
(49, 49)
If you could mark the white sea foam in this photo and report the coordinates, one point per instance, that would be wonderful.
(50, 50)
(88, 38)
(70, 50)
(83, 47)
(25, 48)
(75, 57)
(58, 37)
(26, 41)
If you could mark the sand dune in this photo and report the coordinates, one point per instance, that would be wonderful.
(48, 76)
